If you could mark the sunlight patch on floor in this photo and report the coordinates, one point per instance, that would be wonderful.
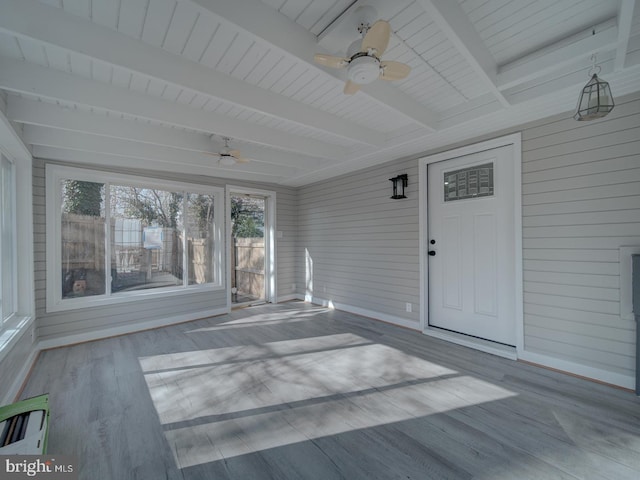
(293, 370)
(224, 402)
(212, 441)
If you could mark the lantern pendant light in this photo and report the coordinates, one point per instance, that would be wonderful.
(595, 99)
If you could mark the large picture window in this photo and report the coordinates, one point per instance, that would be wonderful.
(120, 237)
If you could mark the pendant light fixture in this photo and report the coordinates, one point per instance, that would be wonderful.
(595, 99)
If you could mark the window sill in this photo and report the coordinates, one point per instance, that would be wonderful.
(11, 332)
(126, 297)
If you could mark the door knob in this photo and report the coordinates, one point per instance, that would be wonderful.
(432, 253)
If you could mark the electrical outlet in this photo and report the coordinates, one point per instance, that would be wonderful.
(408, 306)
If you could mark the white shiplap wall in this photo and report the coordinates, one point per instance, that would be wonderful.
(362, 244)
(86, 322)
(581, 203)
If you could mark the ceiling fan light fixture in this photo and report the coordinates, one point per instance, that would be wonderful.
(363, 57)
(364, 69)
(227, 160)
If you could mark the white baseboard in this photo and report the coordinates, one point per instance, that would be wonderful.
(620, 380)
(402, 322)
(289, 297)
(123, 329)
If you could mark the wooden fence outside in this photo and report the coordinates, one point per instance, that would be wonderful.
(201, 270)
(247, 267)
(83, 253)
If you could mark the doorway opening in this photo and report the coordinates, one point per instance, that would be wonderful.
(247, 249)
(251, 247)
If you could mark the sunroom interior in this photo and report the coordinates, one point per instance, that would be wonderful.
(255, 258)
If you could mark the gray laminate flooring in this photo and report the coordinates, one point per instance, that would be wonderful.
(295, 391)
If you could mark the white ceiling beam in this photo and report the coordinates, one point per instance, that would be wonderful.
(106, 161)
(263, 22)
(32, 112)
(633, 55)
(29, 79)
(625, 22)
(49, 137)
(574, 49)
(454, 23)
(32, 19)
(576, 77)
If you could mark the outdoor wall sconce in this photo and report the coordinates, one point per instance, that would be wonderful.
(399, 184)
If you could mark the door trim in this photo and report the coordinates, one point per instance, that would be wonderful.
(515, 140)
(270, 269)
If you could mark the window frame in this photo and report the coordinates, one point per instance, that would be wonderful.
(12, 211)
(466, 170)
(55, 174)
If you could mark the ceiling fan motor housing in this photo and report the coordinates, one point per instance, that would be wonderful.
(364, 69)
(227, 160)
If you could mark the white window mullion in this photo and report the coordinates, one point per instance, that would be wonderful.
(107, 238)
(14, 238)
(185, 243)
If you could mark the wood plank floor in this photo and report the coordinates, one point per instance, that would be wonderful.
(295, 391)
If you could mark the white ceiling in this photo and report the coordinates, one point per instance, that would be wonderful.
(146, 83)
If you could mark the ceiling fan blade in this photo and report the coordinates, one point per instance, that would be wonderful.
(377, 38)
(394, 70)
(238, 157)
(351, 87)
(330, 60)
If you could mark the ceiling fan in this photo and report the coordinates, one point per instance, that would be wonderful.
(363, 58)
(228, 156)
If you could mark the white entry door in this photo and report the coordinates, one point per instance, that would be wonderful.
(472, 245)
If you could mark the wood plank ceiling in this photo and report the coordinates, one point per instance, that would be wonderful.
(158, 83)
